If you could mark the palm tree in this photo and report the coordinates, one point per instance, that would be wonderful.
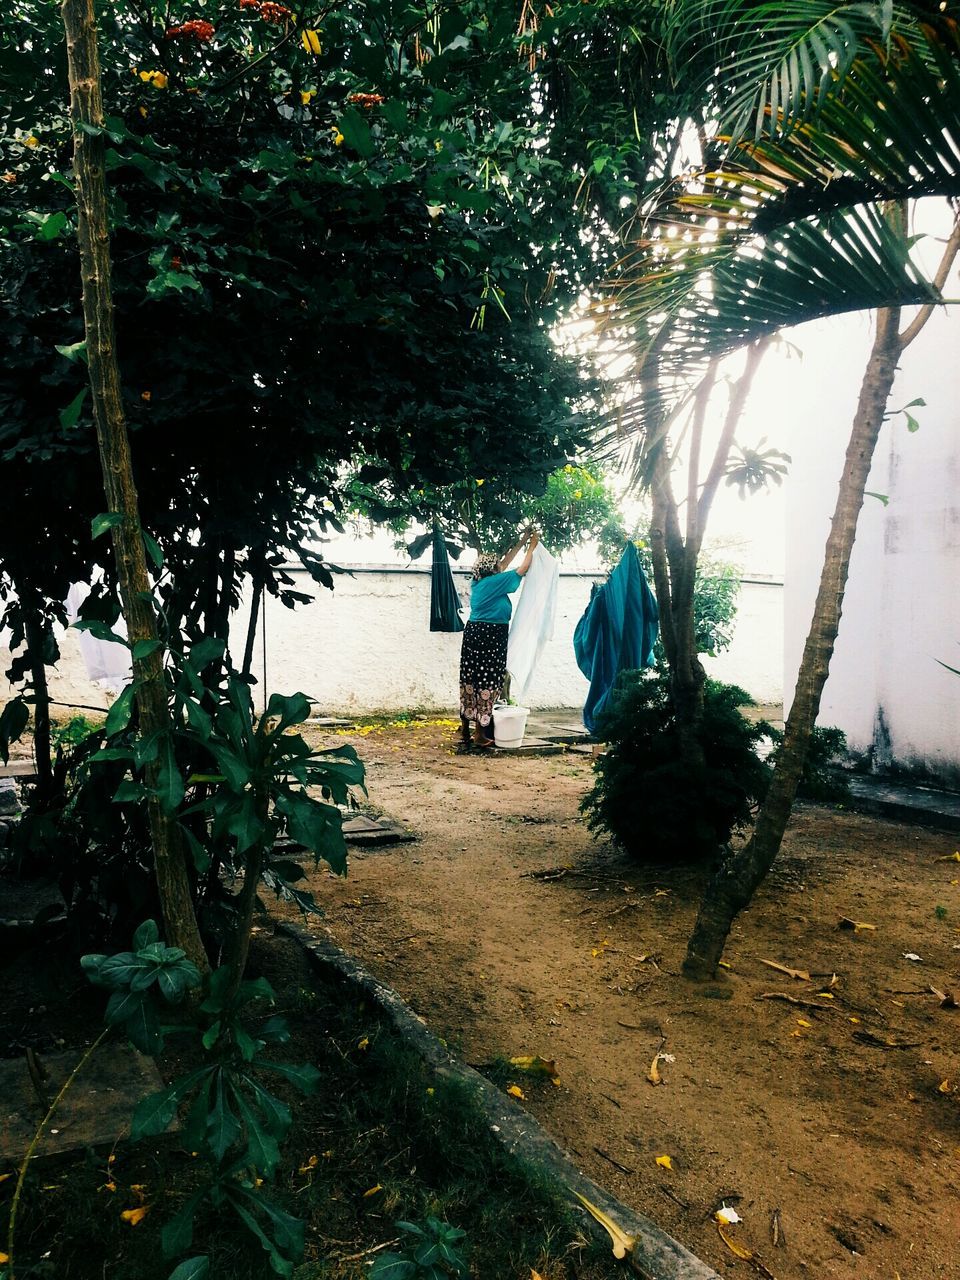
(833, 117)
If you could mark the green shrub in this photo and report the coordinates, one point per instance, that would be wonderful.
(820, 782)
(658, 808)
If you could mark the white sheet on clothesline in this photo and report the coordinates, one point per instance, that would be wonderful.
(533, 620)
(107, 663)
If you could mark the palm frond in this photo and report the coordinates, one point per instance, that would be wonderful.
(775, 63)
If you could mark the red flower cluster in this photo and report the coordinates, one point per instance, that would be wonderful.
(249, 4)
(275, 13)
(197, 28)
(366, 100)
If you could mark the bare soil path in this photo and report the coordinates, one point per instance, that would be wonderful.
(512, 931)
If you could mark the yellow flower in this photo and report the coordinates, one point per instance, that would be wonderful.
(156, 78)
(306, 95)
(578, 494)
(133, 1216)
(337, 137)
(31, 141)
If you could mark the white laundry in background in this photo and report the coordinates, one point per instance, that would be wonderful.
(533, 620)
(107, 663)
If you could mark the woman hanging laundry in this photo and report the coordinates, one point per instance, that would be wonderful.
(483, 658)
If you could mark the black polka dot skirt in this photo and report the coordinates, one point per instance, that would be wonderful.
(483, 669)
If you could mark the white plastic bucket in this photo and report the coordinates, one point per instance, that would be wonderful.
(509, 724)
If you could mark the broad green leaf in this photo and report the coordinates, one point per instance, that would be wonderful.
(144, 648)
(14, 718)
(276, 1114)
(152, 548)
(101, 631)
(356, 132)
(118, 717)
(316, 826)
(154, 1114)
(73, 351)
(129, 792)
(223, 1128)
(281, 1265)
(197, 1268)
(177, 1235)
(391, 1266)
(70, 416)
(169, 779)
(305, 1077)
(146, 935)
(287, 710)
(106, 520)
(262, 1148)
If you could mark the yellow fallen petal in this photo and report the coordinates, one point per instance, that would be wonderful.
(364, 1043)
(133, 1216)
(516, 1092)
(734, 1246)
(622, 1243)
(944, 1087)
(5, 1176)
(802, 1022)
(4, 1258)
(664, 1162)
(372, 1191)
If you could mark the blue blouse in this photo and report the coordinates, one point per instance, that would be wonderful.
(490, 597)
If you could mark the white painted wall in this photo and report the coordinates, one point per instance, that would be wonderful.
(901, 610)
(367, 647)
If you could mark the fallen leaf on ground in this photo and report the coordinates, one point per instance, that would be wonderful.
(537, 1066)
(856, 925)
(133, 1216)
(946, 998)
(944, 1087)
(800, 974)
(742, 1252)
(951, 857)
(515, 1091)
(777, 1234)
(653, 1075)
(622, 1243)
(664, 1162)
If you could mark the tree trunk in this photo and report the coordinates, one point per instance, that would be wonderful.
(93, 234)
(735, 883)
(35, 633)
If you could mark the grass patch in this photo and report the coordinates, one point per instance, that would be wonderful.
(382, 1140)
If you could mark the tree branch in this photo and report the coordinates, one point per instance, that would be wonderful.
(939, 280)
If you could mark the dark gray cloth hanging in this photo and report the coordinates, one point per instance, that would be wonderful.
(444, 601)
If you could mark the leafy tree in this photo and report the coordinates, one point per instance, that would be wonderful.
(801, 219)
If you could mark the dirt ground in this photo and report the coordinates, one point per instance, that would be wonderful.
(512, 931)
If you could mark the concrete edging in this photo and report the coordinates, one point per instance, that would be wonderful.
(656, 1256)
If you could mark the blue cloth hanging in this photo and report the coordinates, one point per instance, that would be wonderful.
(444, 601)
(616, 633)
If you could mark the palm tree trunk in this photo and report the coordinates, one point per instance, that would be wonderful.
(734, 884)
(93, 235)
